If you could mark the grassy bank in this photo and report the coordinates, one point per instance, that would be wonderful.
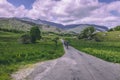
(108, 36)
(14, 54)
(109, 51)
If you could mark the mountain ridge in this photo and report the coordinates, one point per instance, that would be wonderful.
(21, 25)
(70, 26)
(27, 23)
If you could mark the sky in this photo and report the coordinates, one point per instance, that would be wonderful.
(100, 12)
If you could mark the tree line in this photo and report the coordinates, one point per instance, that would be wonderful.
(11, 30)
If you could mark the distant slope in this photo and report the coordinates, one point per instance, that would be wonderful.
(80, 27)
(13, 23)
(77, 28)
(44, 22)
(22, 25)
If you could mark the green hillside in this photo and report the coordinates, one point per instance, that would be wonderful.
(20, 25)
(108, 36)
(77, 29)
(81, 27)
(12, 23)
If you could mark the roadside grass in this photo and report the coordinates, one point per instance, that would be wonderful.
(14, 54)
(109, 51)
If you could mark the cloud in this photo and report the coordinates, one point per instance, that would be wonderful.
(20, 11)
(104, 16)
(66, 11)
(9, 10)
(63, 8)
(76, 12)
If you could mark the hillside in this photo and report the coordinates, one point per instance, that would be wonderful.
(108, 36)
(13, 23)
(80, 27)
(21, 25)
(77, 28)
(24, 24)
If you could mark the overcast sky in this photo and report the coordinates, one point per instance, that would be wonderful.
(101, 12)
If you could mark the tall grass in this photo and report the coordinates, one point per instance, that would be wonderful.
(109, 51)
(13, 54)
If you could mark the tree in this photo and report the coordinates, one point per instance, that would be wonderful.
(117, 28)
(56, 40)
(35, 34)
(87, 33)
(110, 30)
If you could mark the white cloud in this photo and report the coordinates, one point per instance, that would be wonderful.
(8, 10)
(20, 11)
(114, 6)
(63, 8)
(66, 11)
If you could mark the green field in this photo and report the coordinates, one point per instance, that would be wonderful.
(108, 47)
(109, 51)
(14, 54)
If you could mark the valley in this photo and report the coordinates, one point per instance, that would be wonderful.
(103, 44)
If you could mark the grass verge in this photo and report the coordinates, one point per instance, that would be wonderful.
(13, 54)
(109, 51)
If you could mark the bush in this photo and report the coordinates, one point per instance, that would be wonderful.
(97, 38)
(25, 39)
(110, 30)
(56, 40)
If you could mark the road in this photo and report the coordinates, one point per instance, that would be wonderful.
(74, 65)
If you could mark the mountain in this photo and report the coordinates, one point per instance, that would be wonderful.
(44, 22)
(14, 23)
(69, 28)
(24, 25)
(79, 27)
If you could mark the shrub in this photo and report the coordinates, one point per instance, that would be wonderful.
(110, 30)
(56, 40)
(25, 39)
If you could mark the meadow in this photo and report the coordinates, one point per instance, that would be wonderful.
(13, 54)
(106, 50)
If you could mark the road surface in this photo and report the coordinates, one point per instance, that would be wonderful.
(74, 65)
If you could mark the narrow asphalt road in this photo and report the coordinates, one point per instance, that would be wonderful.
(74, 65)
